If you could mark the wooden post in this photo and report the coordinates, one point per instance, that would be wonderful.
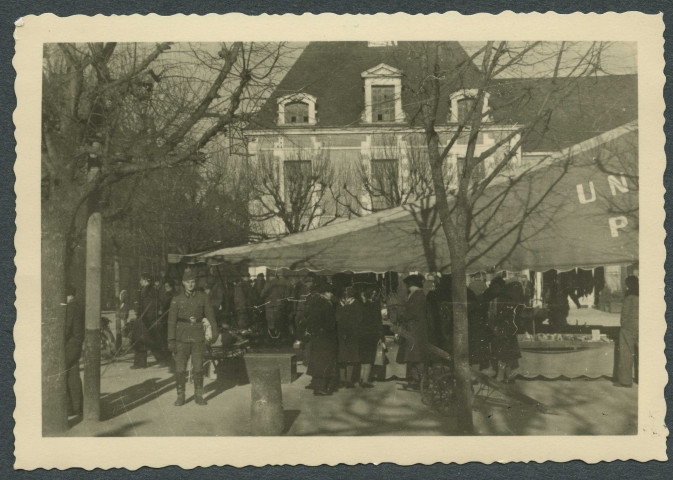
(92, 306)
(118, 320)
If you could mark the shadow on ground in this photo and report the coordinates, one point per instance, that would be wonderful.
(571, 409)
(117, 403)
(127, 430)
(362, 412)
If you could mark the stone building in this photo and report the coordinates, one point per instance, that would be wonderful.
(342, 134)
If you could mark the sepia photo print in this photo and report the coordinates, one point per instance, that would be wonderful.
(340, 236)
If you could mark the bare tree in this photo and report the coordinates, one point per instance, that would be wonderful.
(395, 173)
(112, 111)
(466, 218)
(294, 191)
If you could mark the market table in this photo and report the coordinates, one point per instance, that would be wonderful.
(565, 355)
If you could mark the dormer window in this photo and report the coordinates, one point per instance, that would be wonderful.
(296, 112)
(383, 95)
(465, 107)
(297, 109)
(383, 103)
(463, 104)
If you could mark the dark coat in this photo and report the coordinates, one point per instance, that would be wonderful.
(348, 319)
(74, 332)
(323, 336)
(372, 323)
(371, 330)
(414, 323)
(144, 328)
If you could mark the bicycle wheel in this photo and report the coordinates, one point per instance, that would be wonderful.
(438, 387)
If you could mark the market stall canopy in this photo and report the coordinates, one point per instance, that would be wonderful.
(577, 208)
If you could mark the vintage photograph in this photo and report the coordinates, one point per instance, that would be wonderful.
(340, 238)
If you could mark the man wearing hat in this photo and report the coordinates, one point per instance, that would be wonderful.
(186, 334)
(414, 335)
(74, 339)
(145, 328)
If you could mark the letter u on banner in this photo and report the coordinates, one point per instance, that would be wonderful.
(582, 196)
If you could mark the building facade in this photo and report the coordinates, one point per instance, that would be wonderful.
(343, 133)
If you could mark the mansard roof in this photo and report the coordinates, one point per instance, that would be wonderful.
(589, 107)
(332, 72)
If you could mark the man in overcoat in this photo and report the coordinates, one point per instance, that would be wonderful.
(323, 333)
(414, 335)
(187, 337)
(74, 338)
(146, 330)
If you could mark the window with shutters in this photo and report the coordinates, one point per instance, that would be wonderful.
(465, 108)
(296, 112)
(297, 181)
(383, 103)
(383, 95)
(297, 109)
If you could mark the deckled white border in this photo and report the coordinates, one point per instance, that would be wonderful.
(33, 451)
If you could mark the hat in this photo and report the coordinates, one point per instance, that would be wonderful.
(188, 274)
(146, 276)
(414, 280)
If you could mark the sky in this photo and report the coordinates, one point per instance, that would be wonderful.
(618, 58)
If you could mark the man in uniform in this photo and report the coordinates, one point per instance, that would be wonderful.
(186, 335)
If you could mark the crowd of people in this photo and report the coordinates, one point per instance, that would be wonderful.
(341, 330)
(339, 324)
(494, 319)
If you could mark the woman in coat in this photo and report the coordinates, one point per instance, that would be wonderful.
(370, 332)
(414, 337)
(323, 333)
(628, 335)
(348, 319)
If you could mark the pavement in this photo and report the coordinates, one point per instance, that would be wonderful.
(140, 403)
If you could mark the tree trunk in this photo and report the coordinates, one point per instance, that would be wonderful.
(454, 226)
(54, 400)
(460, 340)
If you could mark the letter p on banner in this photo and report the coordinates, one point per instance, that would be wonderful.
(616, 224)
